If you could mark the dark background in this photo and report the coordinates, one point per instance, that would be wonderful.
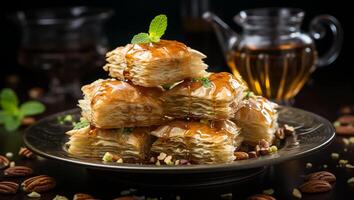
(134, 16)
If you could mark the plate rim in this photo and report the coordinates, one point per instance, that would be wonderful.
(223, 167)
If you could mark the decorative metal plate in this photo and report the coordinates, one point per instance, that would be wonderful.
(47, 138)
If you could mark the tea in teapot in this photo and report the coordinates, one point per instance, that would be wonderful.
(273, 55)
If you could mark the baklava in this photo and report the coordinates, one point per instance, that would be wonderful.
(117, 104)
(257, 118)
(214, 97)
(130, 144)
(204, 142)
(155, 64)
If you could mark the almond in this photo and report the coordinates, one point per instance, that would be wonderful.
(323, 176)
(261, 197)
(82, 196)
(252, 154)
(18, 171)
(4, 162)
(26, 153)
(315, 186)
(7, 187)
(40, 183)
(240, 155)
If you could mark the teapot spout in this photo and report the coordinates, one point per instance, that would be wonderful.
(226, 36)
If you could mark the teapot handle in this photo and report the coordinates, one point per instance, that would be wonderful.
(318, 31)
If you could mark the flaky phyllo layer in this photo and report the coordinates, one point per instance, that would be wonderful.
(116, 104)
(90, 142)
(215, 96)
(257, 118)
(199, 142)
(155, 64)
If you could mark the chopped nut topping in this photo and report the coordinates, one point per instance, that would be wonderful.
(12, 164)
(273, 149)
(351, 140)
(168, 160)
(349, 166)
(351, 180)
(9, 154)
(342, 163)
(108, 157)
(34, 195)
(346, 141)
(120, 160)
(269, 191)
(158, 163)
(308, 165)
(296, 193)
(335, 156)
(177, 162)
(58, 197)
(336, 123)
(152, 159)
(162, 156)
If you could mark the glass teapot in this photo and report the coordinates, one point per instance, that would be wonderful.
(273, 55)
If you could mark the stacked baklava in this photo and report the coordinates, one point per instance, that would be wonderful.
(160, 100)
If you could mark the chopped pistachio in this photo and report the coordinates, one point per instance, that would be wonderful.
(273, 149)
(269, 191)
(351, 180)
(12, 164)
(342, 163)
(351, 140)
(120, 160)
(108, 157)
(34, 195)
(345, 141)
(296, 193)
(336, 124)
(168, 160)
(9, 154)
(335, 156)
(58, 197)
(308, 165)
(162, 156)
(158, 163)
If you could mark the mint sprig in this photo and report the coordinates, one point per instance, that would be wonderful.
(12, 113)
(157, 29)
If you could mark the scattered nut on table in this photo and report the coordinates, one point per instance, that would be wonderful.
(8, 187)
(18, 171)
(40, 183)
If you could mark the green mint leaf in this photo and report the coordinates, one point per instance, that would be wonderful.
(2, 116)
(9, 101)
(31, 108)
(9, 95)
(157, 27)
(11, 123)
(141, 38)
(81, 124)
(204, 81)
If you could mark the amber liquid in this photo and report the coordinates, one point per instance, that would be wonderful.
(276, 73)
